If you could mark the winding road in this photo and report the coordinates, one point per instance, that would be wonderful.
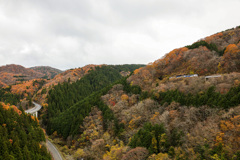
(52, 149)
(34, 109)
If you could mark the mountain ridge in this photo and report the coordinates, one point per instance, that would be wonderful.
(149, 115)
(215, 54)
(13, 73)
(49, 72)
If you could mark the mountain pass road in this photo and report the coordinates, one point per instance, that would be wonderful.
(53, 150)
(34, 109)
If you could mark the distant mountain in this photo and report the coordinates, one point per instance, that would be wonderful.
(18, 69)
(49, 72)
(11, 74)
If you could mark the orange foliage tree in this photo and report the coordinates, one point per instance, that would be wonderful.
(231, 132)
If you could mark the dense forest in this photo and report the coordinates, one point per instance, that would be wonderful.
(155, 139)
(20, 133)
(7, 97)
(209, 98)
(76, 99)
(64, 95)
(68, 122)
(211, 46)
(20, 136)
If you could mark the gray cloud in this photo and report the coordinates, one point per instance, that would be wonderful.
(68, 34)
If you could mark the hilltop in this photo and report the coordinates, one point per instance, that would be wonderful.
(14, 74)
(49, 72)
(11, 74)
(73, 75)
(216, 54)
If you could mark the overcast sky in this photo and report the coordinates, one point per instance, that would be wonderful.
(72, 33)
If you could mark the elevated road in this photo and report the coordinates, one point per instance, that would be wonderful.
(51, 148)
(34, 109)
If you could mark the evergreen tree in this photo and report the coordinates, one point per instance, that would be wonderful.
(26, 153)
(20, 136)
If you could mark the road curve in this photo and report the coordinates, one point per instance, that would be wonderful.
(53, 150)
(34, 109)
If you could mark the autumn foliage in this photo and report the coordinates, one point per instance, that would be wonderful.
(27, 88)
(218, 53)
(152, 114)
(73, 75)
(11, 74)
(20, 135)
(8, 106)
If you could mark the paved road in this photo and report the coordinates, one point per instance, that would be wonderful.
(53, 150)
(34, 109)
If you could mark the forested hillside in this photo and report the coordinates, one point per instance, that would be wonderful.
(20, 135)
(7, 97)
(122, 112)
(169, 125)
(49, 72)
(72, 75)
(216, 54)
(65, 95)
(149, 115)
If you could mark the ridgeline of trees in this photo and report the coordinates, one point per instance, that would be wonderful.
(20, 137)
(64, 95)
(210, 98)
(211, 46)
(69, 103)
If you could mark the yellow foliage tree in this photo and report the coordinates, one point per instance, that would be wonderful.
(154, 145)
(115, 153)
(79, 153)
(230, 132)
(162, 156)
(124, 97)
